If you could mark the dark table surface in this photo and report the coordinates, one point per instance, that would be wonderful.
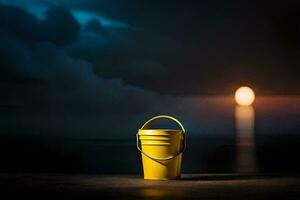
(191, 186)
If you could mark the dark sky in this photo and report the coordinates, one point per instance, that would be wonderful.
(68, 64)
(171, 47)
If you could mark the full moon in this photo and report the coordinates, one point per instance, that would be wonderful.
(244, 96)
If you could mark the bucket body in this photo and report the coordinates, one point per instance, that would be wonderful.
(161, 153)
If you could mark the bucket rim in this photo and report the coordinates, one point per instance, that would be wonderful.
(167, 130)
(162, 132)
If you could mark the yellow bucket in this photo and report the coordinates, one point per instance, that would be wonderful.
(161, 150)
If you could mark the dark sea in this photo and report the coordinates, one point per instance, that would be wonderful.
(221, 137)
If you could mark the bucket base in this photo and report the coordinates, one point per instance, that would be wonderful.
(164, 170)
(162, 179)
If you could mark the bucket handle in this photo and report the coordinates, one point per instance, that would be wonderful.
(146, 125)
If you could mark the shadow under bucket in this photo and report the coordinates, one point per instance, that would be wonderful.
(161, 150)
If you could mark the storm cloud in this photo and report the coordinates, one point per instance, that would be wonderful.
(71, 66)
(46, 90)
(59, 26)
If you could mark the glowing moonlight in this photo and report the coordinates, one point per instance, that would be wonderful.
(244, 96)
